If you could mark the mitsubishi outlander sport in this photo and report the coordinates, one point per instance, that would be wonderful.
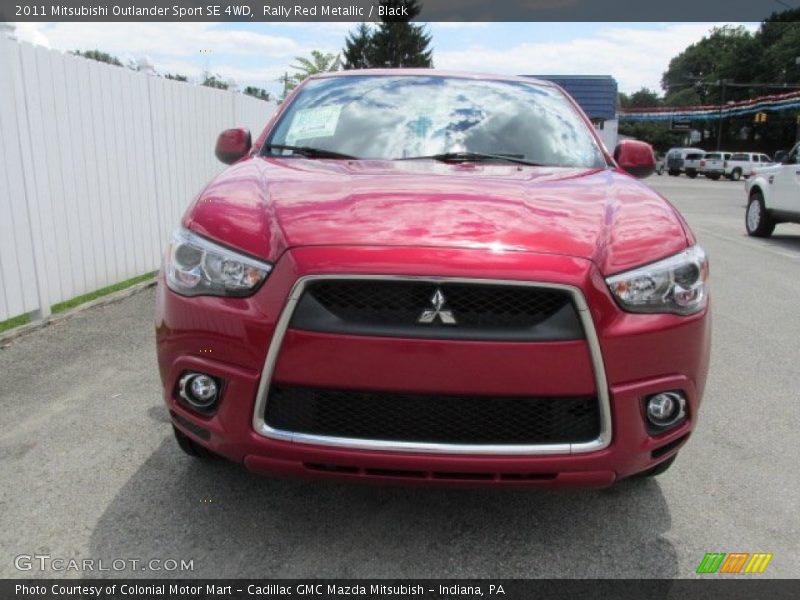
(433, 277)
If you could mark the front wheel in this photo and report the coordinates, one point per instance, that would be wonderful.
(673, 173)
(758, 221)
(713, 177)
(691, 173)
(736, 175)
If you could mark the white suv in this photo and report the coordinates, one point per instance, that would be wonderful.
(773, 196)
(742, 164)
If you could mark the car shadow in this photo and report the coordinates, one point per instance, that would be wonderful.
(784, 241)
(232, 523)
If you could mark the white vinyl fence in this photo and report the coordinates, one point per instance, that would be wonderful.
(97, 165)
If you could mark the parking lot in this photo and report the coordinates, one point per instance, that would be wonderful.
(90, 469)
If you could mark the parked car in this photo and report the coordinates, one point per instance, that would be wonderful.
(773, 195)
(715, 165)
(676, 158)
(420, 276)
(742, 164)
(692, 163)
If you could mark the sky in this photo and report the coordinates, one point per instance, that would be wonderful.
(258, 54)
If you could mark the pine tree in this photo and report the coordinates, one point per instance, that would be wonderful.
(357, 48)
(398, 43)
(395, 43)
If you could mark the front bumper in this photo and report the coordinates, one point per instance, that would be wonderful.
(229, 338)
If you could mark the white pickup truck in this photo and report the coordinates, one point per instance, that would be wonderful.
(773, 195)
(742, 164)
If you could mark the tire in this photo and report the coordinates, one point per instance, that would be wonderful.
(659, 468)
(691, 173)
(757, 220)
(190, 447)
(736, 175)
(713, 177)
(673, 173)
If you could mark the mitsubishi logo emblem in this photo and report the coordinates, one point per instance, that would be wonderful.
(429, 316)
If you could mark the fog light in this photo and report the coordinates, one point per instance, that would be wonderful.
(666, 409)
(198, 390)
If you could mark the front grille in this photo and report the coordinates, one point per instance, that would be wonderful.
(479, 311)
(428, 418)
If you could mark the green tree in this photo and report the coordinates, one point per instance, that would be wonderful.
(358, 48)
(750, 65)
(99, 56)
(257, 92)
(728, 53)
(214, 81)
(320, 62)
(176, 77)
(643, 98)
(779, 39)
(398, 43)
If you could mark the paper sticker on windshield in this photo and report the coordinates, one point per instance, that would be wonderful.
(314, 123)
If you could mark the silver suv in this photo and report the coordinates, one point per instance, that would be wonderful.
(676, 158)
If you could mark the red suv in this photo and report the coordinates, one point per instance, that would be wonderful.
(433, 277)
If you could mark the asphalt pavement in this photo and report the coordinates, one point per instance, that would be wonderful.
(89, 469)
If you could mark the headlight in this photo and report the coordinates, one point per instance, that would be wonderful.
(197, 267)
(677, 284)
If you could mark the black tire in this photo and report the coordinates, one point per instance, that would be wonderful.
(190, 447)
(757, 220)
(736, 175)
(713, 177)
(691, 173)
(659, 468)
(673, 173)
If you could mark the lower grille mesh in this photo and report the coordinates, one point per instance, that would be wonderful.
(432, 418)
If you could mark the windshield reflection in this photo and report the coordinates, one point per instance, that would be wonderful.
(407, 116)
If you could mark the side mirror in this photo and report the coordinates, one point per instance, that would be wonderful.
(233, 144)
(780, 156)
(635, 157)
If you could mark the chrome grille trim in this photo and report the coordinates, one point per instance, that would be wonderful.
(601, 383)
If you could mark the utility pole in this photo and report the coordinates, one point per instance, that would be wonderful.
(797, 117)
(285, 79)
(724, 82)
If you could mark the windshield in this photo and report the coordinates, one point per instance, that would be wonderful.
(713, 156)
(405, 117)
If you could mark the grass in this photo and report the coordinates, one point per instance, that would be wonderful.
(14, 322)
(78, 300)
(20, 320)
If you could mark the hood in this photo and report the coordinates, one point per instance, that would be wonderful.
(265, 205)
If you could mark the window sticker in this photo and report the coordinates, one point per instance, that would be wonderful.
(311, 123)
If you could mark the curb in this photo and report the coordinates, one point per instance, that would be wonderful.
(12, 334)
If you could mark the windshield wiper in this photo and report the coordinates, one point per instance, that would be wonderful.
(308, 151)
(475, 156)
